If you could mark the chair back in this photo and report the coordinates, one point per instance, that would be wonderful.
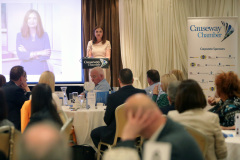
(121, 120)
(5, 134)
(63, 116)
(14, 141)
(200, 138)
(9, 137)
(67, 127)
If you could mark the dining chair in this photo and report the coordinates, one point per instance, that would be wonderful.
(67, 127)
(9, 137)
(5, 134)
(63, 116)
(200, 138)
(120, 123)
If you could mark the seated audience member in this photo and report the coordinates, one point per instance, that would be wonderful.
(3, 111)
(2, 80)
(172, 90)
(228, 89)
(144, 118)
(16, 92)
(46, 77)
(190, 101)
(153, 79)
(107, 133)
(162, 101)
(179, 74)
(42, 106)
(43, 141)
(97, 76)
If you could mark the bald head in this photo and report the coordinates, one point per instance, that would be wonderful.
(43, 141)
(144, 109)
(140, 100)
(97, 75)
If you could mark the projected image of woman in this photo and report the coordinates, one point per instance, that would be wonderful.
(99, 47)
(33, 47)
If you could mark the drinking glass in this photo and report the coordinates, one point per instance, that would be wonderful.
(71, 100)
(81, 100)
(75, 99)
(115, 89)
(75, 95)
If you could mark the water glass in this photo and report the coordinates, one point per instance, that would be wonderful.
(75, 95)
(71, 100)
(115, 89)
(81, 100)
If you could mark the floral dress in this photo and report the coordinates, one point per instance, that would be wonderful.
(226, 111)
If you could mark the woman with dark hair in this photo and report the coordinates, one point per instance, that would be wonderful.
(3, 111)
(99, 47)
(42, 106)
(228, 89)
(33, 46)
(48, 78)
(2, 80)
(189, 103)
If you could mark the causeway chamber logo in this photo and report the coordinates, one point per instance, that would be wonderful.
(228, 29)
(103, 62)
(213, 31)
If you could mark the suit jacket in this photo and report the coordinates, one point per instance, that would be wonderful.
(207, 123)
(15, 97)
(114, 100)
(183, 145)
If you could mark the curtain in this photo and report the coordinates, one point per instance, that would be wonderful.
(104, 13)
(133, 39)
(153, 33)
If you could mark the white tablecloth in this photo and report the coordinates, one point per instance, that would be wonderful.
(233, 145)
(85, 121)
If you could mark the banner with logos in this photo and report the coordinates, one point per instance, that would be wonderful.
(212, 48)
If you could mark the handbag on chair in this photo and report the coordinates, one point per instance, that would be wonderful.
(83, 152)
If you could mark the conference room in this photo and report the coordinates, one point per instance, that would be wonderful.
(161, 35)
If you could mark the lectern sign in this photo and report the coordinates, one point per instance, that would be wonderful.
(95, 62)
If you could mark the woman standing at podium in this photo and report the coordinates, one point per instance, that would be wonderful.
(99, 47)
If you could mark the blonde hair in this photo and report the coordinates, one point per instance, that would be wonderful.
(166, 79)
(48, 77)
(179, 74)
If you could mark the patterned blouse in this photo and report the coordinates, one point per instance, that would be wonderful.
(226, 111)
(162, 101)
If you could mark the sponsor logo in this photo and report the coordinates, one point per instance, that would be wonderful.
(203, 57)
(212, 88)
(192, 64)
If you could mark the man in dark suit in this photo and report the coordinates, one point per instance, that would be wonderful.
(144, 118)
(17, 92)
(107, 133)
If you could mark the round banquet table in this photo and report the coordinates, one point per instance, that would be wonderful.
(85, 120)
(233, 145)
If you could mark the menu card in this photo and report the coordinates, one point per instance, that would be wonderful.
(91, 100)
